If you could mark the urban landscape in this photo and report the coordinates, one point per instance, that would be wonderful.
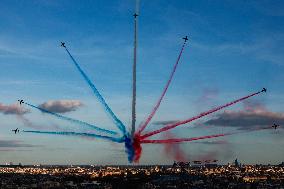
(136, 94)
(179, 175)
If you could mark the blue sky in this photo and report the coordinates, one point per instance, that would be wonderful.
(235, 48)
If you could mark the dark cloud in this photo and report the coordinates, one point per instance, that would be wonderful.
(13, 109)
(14, 144)
(164, 122)
(61, 106)
(247, 120)
(254, 115)
(217, 142)
(13, 150)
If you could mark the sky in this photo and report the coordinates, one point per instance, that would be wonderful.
(235, 49)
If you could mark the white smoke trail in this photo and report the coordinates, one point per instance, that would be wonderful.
(137, 3)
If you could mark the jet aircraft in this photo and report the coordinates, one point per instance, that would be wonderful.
(16, 130)
(21, 102)
(275, 126)
(185, 38)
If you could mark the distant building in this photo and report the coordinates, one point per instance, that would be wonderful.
(211, 165)
(237, 163)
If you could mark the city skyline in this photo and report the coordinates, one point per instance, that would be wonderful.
(234, 50)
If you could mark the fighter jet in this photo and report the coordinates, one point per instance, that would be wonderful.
(63, 44)
(264, 90)
(275, 126)
(185, 38)
(16, 130)
(135, 15)
(21, 102)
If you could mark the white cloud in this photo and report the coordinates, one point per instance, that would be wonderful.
(61, 106)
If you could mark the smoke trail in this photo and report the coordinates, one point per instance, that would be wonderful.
(71, 119)
(118, 123)
(129, 148)
(173, 150)
(137, 3)
(144, 125)
(171, 126)
(137, 149)
(92, 135)
(134, 74)
(178, 140)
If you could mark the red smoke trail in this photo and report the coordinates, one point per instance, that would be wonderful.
(171, 126)
(174, 150)
(143, 125)
(137, 148)
(179, 140)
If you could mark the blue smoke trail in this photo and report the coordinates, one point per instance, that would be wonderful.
(72, 120)
(129, 148)
(118, 123)
(113, 139)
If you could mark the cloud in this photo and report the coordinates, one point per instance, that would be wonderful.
(164, 122)
(254, 115)
(14, 144)
(13, 109)
(19, 112)
(217, 142)
(61, 106)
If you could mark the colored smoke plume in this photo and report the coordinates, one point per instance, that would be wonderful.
(173, 150)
